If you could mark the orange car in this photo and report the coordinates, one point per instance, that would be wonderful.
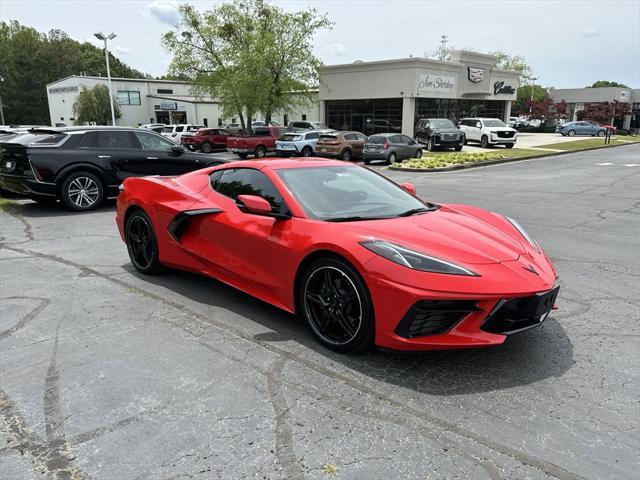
(342, 145)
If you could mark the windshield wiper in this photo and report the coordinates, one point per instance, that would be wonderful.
(354, 218)
(415, 211)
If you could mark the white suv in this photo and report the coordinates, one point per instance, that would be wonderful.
(488, 131)
(175, 132)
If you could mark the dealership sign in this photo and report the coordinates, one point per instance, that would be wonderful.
(501, 88)
(436, 83)
(475, 74)
(169, 106)
(63, 89)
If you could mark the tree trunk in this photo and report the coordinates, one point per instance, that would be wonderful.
(242, 124)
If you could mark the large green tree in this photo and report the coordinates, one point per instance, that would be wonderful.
(92, 106)
(606, 83)
(516, 63)
(29, 60)
(250, 55)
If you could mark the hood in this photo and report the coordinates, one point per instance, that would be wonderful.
(501, 129)
(445, 130)
(447, 234)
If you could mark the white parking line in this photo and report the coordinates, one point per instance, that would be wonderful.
(607, 163)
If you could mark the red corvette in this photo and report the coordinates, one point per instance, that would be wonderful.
(361, 259)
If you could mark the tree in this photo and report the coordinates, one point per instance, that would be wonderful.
(92, 106)
(546, 109)
(525, 94)
(249, 55)
(606, 83)
(29, 60)
(605, 112)
(514, 62)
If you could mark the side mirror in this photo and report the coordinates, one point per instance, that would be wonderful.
(255, 204)
(177, 150)
(409, 187)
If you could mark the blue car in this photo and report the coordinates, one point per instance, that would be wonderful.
(299, 143)
(581, 128)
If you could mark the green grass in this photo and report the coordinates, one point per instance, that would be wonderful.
(7, 204)
(591, 143)
(448, 159)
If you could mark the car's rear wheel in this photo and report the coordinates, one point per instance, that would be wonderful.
(571, 133)
(336, 304)
(307, 152)
(82, 191)
(260, 152)
(392, 159)
(346, 155)
(418, 153)
(142, 244)
(484, 142)
(206, 147)
(509, 145)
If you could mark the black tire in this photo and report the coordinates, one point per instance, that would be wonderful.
(430, 146)
(339, 310)
(464, 140)
(307, 152)
(458, 148)
(243, 156)
(366, 161)
(601, 133)
(82, 191)
(346, 155)
(392, 159)
(509, 145)
(571, 133)
(484, 141)
(260, 152)
(142, 244)
(206, 147)
(418, 153)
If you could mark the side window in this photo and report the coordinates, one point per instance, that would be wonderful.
(406, 140)
(361, 137)
(478, 125)
(247, 181)
(179, 128)
(150, 141)
(312, 135)
(396, 139)
(112, 140)
(89, 140)
(215, 178)
(350, 136)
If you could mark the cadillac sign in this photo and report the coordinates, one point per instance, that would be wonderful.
(475, 74)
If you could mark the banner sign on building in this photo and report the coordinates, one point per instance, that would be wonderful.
(436, 83)
(169, 106)
(63, 89)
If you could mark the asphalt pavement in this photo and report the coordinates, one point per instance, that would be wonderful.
(106, 374)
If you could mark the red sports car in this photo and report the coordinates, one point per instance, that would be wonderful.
(361, 259)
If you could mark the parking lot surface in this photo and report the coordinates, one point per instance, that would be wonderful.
(106, 374)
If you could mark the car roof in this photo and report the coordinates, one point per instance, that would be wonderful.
(277, 163)
(384, 134)
(78, 129)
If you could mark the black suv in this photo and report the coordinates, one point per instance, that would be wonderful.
(82, 166)
(438, 132)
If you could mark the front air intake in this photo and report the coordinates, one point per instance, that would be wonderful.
(431, 317)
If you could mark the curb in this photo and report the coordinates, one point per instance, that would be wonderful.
(464, 166)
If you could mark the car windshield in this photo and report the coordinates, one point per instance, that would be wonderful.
(319, 125)
(494, 123)
(345, 193)
(290, 137)
(377, 139)
(167, 130)
(442, 124)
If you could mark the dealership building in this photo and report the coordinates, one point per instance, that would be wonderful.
(363, 96)
(576, 98)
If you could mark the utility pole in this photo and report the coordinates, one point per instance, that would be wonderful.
(1, 107)
(111, 36)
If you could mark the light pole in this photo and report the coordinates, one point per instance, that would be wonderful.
(111, 36)
(531, 99)
(1, 108)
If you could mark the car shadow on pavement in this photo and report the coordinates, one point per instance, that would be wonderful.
(31, 209)
(523, 359)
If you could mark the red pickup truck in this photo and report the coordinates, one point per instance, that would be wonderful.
(262, 141)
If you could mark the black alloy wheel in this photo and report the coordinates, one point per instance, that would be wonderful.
(141, 243)
(206, 147)
(82, 191)
(346, 155)
(336, 305)
(260, 152)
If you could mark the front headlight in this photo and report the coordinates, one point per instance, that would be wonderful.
(524, 233)
(414, 260)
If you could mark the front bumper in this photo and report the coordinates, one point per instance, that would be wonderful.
(446, 142)
(501, 140)
(376, 155)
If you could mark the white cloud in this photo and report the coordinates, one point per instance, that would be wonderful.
(166, 11)
(590, 32)
(337, 49)
(122, 50)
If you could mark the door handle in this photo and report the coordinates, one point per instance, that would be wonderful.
(104, 156)
(152, 158)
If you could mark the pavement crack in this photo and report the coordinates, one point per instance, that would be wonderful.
(42, 303)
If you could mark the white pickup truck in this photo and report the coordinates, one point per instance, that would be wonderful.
(488, 132)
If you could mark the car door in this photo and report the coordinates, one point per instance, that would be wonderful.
(116, 152)
(247, 247)
(220, 138)
(356, 141)
(408, 146)
(163, 157)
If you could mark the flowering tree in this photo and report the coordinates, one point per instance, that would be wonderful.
(605, 112)
(546, 109)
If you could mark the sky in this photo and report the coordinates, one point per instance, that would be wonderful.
(568, 43)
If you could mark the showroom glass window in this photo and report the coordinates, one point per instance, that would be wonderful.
(383, 115)
(247, 181)
(455, 109)
(126, 97)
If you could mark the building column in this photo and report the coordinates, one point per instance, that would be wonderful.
(507, 111)
(626, 122)
(408, 115)
(322, 112)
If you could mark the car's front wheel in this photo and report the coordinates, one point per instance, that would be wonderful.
(484, 142)
(142, 244)
(82, 191)
(430, 145)
(336, 304)
(260, 152)
(571, 133)
(418, 153)
(206, 147)
(601, 133)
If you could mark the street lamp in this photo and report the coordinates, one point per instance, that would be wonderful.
(533, 79)
(111, 36)
(1, 108)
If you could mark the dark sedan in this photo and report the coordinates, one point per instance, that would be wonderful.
(390, 147)
(439, 133)
(81, 166)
